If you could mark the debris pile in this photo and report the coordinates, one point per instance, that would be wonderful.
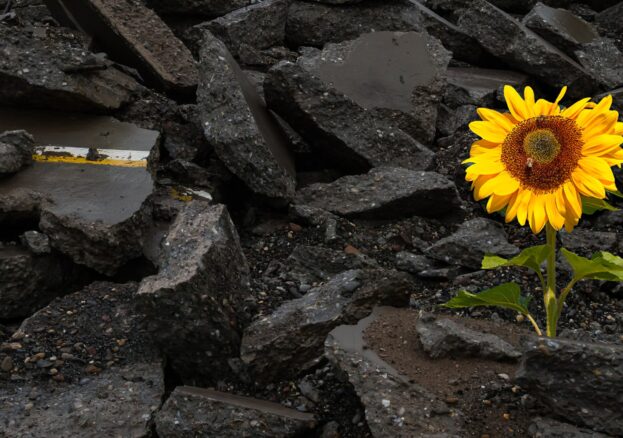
(214, 197)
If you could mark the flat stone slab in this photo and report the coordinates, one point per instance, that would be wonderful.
(92, 211)
(245, 135)
(134, 35)
(385, 192)
(394, 406)
(401, 75)
(206, 413)
(479, 86)
(97, 375)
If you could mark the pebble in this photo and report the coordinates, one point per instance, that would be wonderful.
(7, 364)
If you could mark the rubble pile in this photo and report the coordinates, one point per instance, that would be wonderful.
(203, 202)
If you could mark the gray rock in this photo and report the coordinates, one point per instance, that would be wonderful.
(44, 71)
(314, 24)
(454, 8)
(400, 76)
(610, 218)
(479, 86)
(447, 338)
(588, 241)
(290, 339)
(199, 412)
(508, 39)
(311, 264)
(385, 192)
(347, 134)
(337, 2)
(120, 394)
(394, 407)
(560, 27)
(578, 381)
(245, 136)
(210, 8)
(16, 149)
(549, 428)
(604, 59)
(468, 245)
(260, 25)
(610, 21)
(191, 305)
(36, 242)
(452, 120)
(462, 46)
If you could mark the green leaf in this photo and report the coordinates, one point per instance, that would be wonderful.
(531, 258)
(603, 266)
(616, 193)
(507, 295)
(592, 205)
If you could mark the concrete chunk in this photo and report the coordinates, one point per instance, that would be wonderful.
(206, 413)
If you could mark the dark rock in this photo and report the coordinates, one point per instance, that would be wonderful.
(34, 73)
(311, 264)
(244, 134)
(471, 242)
(506, 38)
(118, 398)
(16, 150)
(36, 242)
(451, 120)
(265, 59)
(394, 407)
(401, 76)
(206, 413)
(454, 8)
(447, 338)
(134, 35)
(604, 60)
(209, 8)
(260, 26)
(549, 428)
(560, 27)
(588, 241)
(347, 134)
(462, 46)
(478, 86)
(578, 381)
(337, 2)
(385, 192)
(610, 219)
(314, 24)
(191, 306)
(413, 263)
(290, 339)
(610, 21)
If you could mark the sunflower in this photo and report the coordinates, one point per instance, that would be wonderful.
(539, 160)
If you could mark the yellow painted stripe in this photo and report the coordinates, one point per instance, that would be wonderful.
(82, 160)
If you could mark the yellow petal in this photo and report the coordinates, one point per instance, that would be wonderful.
(528, 94)
(511, 210)
(597, 167)
(489, 131)
(562, 93)
(523, 199)
(536, 213)
(499, 119)
(496, 203)
(516, 104)
(554, 217)
(587, 184)
(573, 200)
(574, 110)
(503, 184)
(602, 144)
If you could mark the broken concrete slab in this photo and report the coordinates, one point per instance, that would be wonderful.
(610, 21)
(506, 38)
(16, 149)
(93, 209)
(399, 75)
(134, 35)
(394, 407)
(443, 337)
(245, 135)
(479, 86)
(352, 137)
(560, 27)
(314, 24)
(578, 381)
(260, 26)
(98, 374)
(206, 8)
(203, 412)
(468, 245)
(39, 70)
(385, 192)
(604, 59)
(192, 304)
(290, 340)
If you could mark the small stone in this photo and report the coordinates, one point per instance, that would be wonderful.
(7, 364)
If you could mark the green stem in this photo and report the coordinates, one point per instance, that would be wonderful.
(537, 329)
(549, 295)
(563, 297)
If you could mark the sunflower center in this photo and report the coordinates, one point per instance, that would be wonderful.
(541, 145)
(543, 152)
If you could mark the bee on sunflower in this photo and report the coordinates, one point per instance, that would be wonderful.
(544, 165)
